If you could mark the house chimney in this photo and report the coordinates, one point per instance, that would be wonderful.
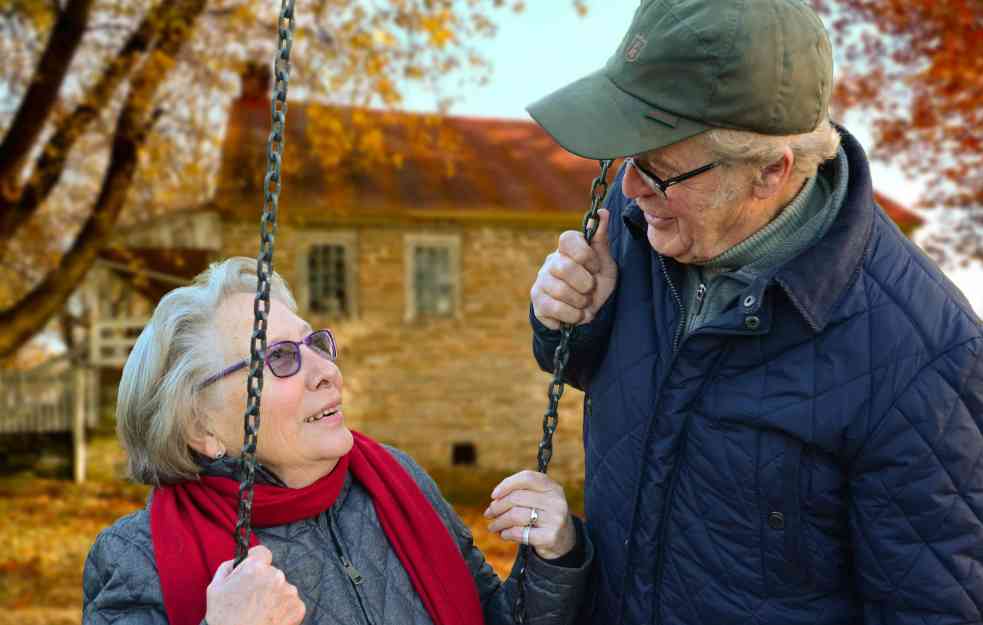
(256, 80)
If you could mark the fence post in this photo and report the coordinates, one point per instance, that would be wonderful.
(78, 423)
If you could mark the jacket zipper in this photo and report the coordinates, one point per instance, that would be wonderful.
(679, 302)
(664, 520)
(701, 292)
(353, 574)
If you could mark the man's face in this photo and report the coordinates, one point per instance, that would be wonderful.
(702, 216)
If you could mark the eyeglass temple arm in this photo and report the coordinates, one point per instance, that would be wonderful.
(224, 372)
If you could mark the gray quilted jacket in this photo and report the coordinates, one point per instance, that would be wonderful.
(341, 563)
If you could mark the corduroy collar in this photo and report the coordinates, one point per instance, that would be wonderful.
(838, 256)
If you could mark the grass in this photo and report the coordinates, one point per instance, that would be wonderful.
(49, 524)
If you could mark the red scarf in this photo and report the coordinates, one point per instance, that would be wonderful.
(192, 526)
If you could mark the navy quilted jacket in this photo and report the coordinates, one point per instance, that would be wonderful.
(814, 456)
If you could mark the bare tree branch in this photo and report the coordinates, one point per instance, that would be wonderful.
(32, 312)
(51, 161)
(63, 41)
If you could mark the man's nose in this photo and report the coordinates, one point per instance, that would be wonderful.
(632, 185)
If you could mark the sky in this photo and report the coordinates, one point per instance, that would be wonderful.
(548, 46)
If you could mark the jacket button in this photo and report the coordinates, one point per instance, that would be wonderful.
(751, 322)
(749, 301)
(776, 521)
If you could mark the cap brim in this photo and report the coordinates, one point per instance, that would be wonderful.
(593, 118)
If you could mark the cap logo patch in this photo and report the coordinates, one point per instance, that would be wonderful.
(635, 47)
(661, 116)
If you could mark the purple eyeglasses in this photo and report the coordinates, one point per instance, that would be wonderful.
(283, 357)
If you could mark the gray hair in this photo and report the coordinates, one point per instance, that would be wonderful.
(157, 406)
(741, 147)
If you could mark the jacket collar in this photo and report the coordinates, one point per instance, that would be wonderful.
(838, 255)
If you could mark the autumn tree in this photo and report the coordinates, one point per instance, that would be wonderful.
(916, 67)
(114, 106)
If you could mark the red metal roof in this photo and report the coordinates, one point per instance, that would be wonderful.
(483, 165)
(905, 219)
(486, 166)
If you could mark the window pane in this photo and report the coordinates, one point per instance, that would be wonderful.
(433, 282)
(328, 280)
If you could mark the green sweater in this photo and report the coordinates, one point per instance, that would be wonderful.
(713, 286)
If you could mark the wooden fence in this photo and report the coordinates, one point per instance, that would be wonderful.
(57, 396)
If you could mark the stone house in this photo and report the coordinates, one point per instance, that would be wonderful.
(423, 272)
(422, 269)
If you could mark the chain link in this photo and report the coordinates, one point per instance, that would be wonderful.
(598, 191)
(264, 272)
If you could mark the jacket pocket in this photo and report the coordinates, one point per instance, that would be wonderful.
(785, 551)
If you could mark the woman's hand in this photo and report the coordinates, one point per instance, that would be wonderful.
(253, 593)
(553, 534)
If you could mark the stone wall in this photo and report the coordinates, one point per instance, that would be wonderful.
(424, 385)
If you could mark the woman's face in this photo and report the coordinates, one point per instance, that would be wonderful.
(302, 430)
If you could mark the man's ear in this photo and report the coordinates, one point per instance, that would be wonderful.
(774, 176)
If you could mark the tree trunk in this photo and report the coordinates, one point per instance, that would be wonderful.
(29, 316)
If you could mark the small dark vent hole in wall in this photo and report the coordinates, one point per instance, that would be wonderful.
(463, 454)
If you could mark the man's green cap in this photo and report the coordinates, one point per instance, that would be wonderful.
(686, 66)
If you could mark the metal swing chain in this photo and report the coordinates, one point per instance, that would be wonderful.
(598, 191)
(264, 272)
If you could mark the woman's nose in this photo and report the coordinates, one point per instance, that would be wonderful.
(322, 371)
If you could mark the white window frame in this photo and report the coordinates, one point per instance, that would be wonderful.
(308, 241)
(451, 242)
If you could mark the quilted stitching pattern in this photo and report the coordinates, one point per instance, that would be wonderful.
(687, 458)
(121, 583)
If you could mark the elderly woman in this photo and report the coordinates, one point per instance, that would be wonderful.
(346, 530)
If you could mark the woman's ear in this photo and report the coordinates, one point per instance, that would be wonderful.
(204, 441)
(774, 176)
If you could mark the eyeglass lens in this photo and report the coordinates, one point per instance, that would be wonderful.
(647, 178)
(284, 357)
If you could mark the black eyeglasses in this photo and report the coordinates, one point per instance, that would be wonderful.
(660, 185)
(283, 357)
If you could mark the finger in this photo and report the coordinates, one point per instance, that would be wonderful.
(572, 272)
(602, 247)
(537, 535)
(261, 554)
(223, 570)
(601, 235)
(297, 615)
(563, 292)
(294, 608)
(520, 516)
(528, 480)
(574, 246)
(548, 308)
(547, 504)
(279, 579)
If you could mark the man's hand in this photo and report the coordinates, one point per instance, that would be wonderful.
(576, 279)
(254, 593)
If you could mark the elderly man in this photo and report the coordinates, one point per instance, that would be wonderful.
(784, 397)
